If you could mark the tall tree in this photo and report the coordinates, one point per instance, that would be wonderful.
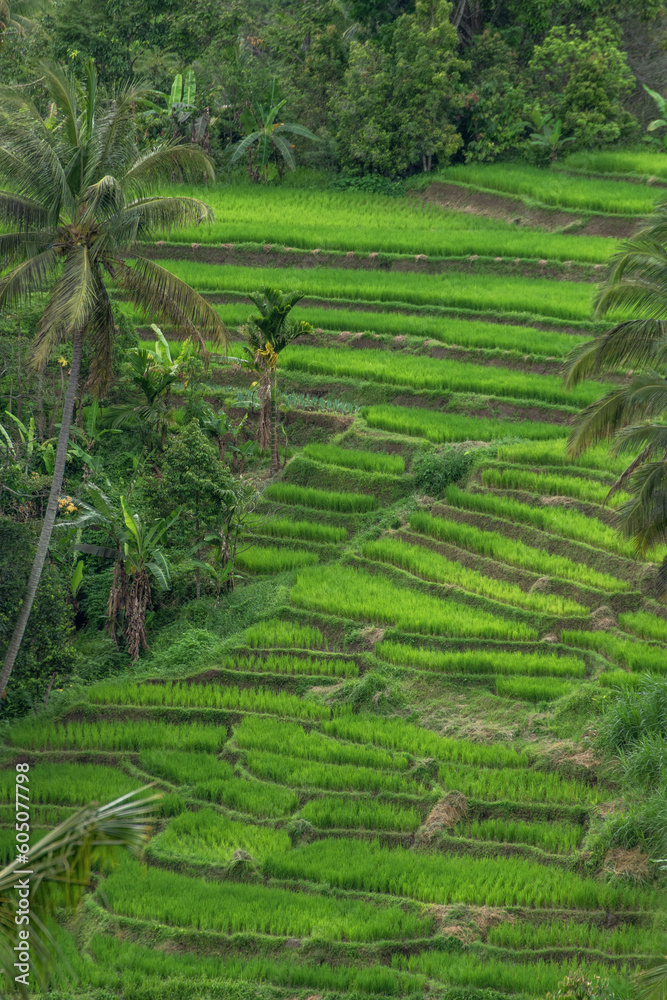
(77, 194)
(632, 415)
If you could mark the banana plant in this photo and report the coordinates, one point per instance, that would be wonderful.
(661, 122)
(266, 137)
(548, 133)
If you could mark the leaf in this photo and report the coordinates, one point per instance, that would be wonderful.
(76, 578)
(176, 92)
(189, 87)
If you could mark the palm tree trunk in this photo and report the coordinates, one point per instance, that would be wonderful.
(50, 517)
(275, 458)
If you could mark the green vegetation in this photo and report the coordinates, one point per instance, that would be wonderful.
(634, 163)
(121, 734)
(568, 523)
(555, 453)
(262, 559)
(555, 838)
(296, 772)
(493, 545)
(341, 590)
(440, 427)
(430, 373)
(585, 194)
(571, 300)
(69, 784)
(643, 624)
(636, 656)
(331, 813)
(309, 531)
(547, 484)
(437, 878)
(319, 499)
(626, 940)
(529, 689)
(517, 785)
(350, 458)
(289, 635)
(209, 837)
(431, 566)
(294, 665)
(481, 661)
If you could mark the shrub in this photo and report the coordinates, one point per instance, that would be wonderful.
(434, 471)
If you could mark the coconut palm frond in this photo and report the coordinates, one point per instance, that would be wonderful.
(187, 161)
(70, 306)
(165, 214)
(32, 275)
(22, 212)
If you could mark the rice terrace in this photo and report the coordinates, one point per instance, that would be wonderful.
(339, 461)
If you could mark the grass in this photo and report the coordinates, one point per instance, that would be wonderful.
(346, 220)
(278, 736)
(398, 735)
(319, 499)
(494, 545)
(341, 590)
(643, 624)
(635, 655)
(210, 837)
(429, 565)
(632, 162)
(351, 458)
(531, 689)
(561, 300)
(309, 531)
(297, 773)
(236, 907)
(481, 661)
(292, 665)
(517, 785)
(444, 879)
(628, 939)
(553, 188)
(286, 634)
(567, 523)
(265, 559)
(442, 427)
(218, 696)
(419, 372)
(334, 813)
(553, 837)
(121, 734)
(547, 484)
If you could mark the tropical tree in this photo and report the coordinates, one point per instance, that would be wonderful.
(60, 865)
(268, 334)
(265, 137)
(633, 415)
(77, 194)
(138, 556)
(19, 16)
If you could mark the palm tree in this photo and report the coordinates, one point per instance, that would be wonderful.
(268, 335)
(62, 861)
(77, 194)
(634, 414)
(266, 137)
(19, 16)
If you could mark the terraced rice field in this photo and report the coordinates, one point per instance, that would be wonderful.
(374, 781)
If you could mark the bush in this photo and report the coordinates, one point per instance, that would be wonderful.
(435, 471)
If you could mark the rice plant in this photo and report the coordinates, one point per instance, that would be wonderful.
(619, 679)
(442, 427)
(309, 531)
(481, 661)
(361, 221)
(236, 907)
(643, 163)
(398, 735)
(531, 688)
(341, 590)
(635, 715)
(121, 734)
(284, 634)
(555, 453)
(69, 784)
(637, 656)
(553, 837)
(334, 813)
(442, 879)
(626, 939)
(290, 738)
(218, 696)
(292, 665)
(431, 565)
(547, 484)
(643, 624)
(320, 499)
(299, 773)
(564, 522)
(351, 458)
(210, 837)
(517, 785)
(264, 559)
(553, 188)
(419, 372)
(493, 545)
